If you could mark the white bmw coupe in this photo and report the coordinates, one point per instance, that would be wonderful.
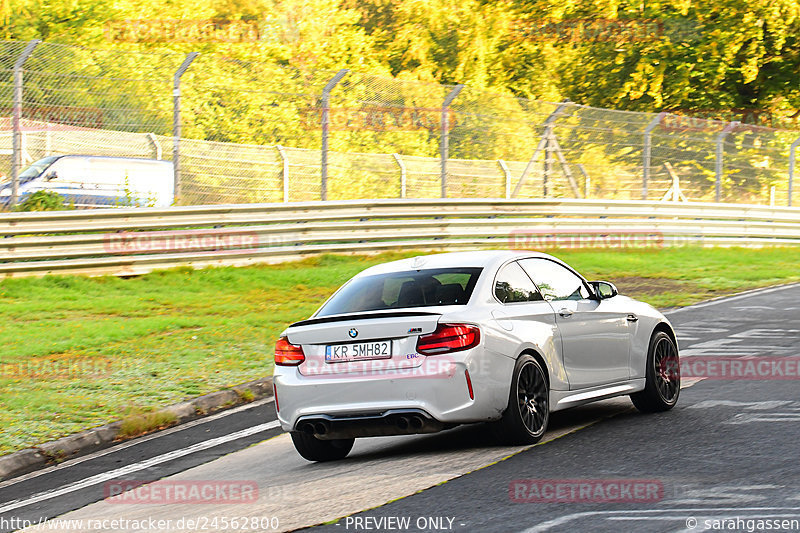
(424, 344)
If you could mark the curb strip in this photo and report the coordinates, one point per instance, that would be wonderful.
(90, 440)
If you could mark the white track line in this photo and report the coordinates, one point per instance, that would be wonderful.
(134, 442)
(726, 299)
(138, 440)
(135, 467)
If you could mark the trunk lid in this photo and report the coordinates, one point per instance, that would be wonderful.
(370, 332)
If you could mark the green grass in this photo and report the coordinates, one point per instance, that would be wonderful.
(79, 352)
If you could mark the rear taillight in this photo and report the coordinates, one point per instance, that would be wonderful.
(287, 354)
(449, 338)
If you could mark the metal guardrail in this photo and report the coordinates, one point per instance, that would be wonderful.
(135, 241)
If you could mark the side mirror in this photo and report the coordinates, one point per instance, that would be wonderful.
(604, 289)
(50, 176)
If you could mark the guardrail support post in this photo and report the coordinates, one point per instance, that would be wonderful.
(646, 155)
(507, 176)
(792, 151)
(403, 174)
(156, 145)
(587, 181)
(284, 172)
(176, 124)
(445, 139)
(718, 161)
(543, 143)
(326, 121)
(16, 118)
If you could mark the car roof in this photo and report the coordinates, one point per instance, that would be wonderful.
(113, 158)
(482, 259)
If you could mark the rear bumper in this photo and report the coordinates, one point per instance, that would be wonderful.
(440, 397)
(392, 422)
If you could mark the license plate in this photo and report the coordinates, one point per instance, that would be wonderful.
(361, 351)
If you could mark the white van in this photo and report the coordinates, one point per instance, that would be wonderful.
(98, 181)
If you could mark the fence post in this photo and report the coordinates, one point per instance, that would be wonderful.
(176, 124)
(403, 174)
(506, 176)
(646, 156)
(718, 161)
(16, 133)
(445, 140)
(548, 158)
(326, 109)
(792, 150)
(543, 142)
(284, 172)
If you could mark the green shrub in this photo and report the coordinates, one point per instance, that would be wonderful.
(42, 201)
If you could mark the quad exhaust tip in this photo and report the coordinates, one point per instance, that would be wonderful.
(314, 428)
(393, 422)
(401, 422)
(415, 422)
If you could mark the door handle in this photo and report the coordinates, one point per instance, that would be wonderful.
(566, 313)
(632, 318)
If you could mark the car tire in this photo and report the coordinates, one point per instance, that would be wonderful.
(525, 419)
(662, 376)
(315, 449)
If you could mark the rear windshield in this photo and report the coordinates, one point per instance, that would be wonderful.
(399, 290)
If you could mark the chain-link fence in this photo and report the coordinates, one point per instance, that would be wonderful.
(243, 131)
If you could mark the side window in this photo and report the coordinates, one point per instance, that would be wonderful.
(555, 281)
(65, 172)
(513, 285)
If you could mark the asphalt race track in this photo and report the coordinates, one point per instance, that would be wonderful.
(725, 459)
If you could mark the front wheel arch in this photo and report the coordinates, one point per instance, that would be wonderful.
(663, 326)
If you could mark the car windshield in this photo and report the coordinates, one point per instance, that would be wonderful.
(38, 167)
(31, 172)
(398, 290)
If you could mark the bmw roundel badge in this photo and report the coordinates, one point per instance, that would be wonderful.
(353, 333)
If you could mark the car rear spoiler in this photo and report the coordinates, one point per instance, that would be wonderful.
(361, 316)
